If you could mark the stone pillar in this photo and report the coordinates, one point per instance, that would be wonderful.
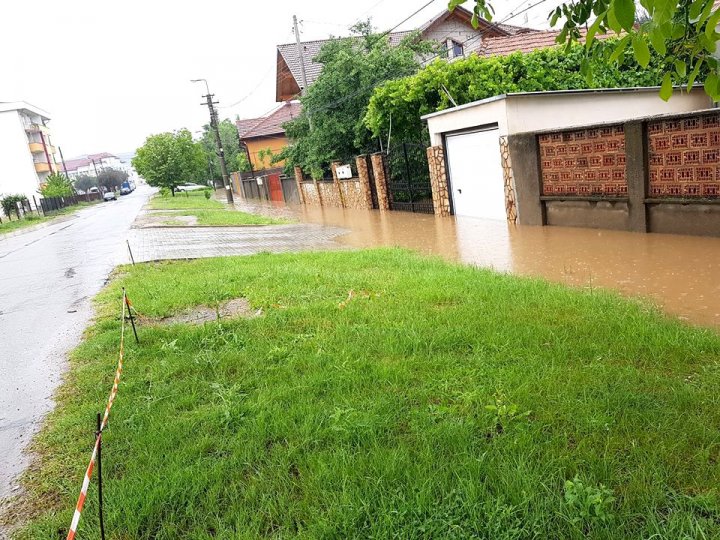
(364, 177)
(510, 206)
(524, 154)
(635, 174)
(299, 181)
(438, 180)
(378, 165)
(336, 182)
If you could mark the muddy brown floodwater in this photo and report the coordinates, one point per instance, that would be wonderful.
(681, 274)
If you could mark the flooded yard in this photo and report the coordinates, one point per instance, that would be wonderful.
(679, 273)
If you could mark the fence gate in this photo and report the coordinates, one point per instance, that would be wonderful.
(409, 178)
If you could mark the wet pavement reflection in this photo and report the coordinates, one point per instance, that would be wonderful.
(679, 273)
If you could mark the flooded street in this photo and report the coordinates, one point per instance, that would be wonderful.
(679, 273)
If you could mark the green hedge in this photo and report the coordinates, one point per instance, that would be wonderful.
(477, 78)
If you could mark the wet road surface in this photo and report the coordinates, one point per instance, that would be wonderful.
(47, 280)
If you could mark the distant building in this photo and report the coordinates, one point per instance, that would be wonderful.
(93, 164)
(27, 154)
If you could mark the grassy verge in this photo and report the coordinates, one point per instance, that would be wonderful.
(208, 211)
(382, 394)
(182, 201)
(28, 221)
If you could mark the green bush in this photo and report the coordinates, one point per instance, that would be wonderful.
(56, 185)
(475, 78)
(9, 203)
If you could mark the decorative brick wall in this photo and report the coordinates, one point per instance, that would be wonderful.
(684, 157)
(378, 165)
(582, 163)
(309, 193)
(352, 194)
(438, 180)
(329, 194)
(510, 205)
(364, 179)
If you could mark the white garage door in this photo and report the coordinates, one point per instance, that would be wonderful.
(476, 177)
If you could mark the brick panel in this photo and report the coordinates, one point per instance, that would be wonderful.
(582, 163)
(684, 157)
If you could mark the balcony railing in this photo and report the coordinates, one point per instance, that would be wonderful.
(36, 147)
(42, 167)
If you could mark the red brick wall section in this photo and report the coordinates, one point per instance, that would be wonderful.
(583, 163)
(684, 157)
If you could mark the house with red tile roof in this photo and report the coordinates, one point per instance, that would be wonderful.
(265, 137)
(452, 29)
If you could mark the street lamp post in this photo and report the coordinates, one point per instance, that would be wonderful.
(216, 128)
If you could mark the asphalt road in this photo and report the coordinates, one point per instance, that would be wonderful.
(47, 280)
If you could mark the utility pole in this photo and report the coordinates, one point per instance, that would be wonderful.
(62, 159)
(301, 57)
(216, 128)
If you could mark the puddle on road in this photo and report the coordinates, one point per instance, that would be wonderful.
(679, 273)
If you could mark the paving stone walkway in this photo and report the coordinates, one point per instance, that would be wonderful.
(156, 243)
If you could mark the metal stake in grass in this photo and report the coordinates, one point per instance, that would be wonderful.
(98, 435)
(132, 259)
(132, 319)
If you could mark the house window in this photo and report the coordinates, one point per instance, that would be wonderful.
(457, 49)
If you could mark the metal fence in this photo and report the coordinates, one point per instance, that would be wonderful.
(409, 178)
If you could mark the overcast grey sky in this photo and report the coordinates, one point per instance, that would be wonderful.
(111, 73)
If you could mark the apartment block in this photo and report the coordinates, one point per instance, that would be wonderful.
(27, 154)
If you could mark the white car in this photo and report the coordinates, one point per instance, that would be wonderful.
(109, 196)
(190, 187)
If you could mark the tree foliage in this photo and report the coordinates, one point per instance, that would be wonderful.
(231, 147)
(111, 179)
(683, 32)
(56, 185)
(336, 102)
(475, 78)
(9, 204)
(170, 159)
(85, 182)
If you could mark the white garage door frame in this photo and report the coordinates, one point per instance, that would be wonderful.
(467, 131)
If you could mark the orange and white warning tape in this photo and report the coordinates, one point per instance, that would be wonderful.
(111, 399)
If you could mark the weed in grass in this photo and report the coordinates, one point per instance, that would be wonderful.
(588, 505)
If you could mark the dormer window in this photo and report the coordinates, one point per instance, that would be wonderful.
(457, 49)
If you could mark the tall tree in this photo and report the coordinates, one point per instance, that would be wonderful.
(231, 146)
(85, 182)
(169, 159)
(337, 101)
(683, 32)
(111, 179)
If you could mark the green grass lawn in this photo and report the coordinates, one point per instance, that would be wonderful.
(33, 219)
(208, 211)
(182, 201)
(434, 401)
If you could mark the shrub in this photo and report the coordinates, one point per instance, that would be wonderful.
(406, 100)
(9, 203)
(56, 185)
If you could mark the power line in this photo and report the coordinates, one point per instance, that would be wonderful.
(475, 37)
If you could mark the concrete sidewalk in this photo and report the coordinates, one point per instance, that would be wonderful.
(156, 243)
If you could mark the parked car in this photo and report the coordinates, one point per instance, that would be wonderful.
(109, 196)
(189, 187)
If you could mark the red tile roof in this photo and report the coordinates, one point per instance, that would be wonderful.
(524, 43)
(270, 124)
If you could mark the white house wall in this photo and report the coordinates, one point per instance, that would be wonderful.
(540, 112)
(17, 170)
(490, 112)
